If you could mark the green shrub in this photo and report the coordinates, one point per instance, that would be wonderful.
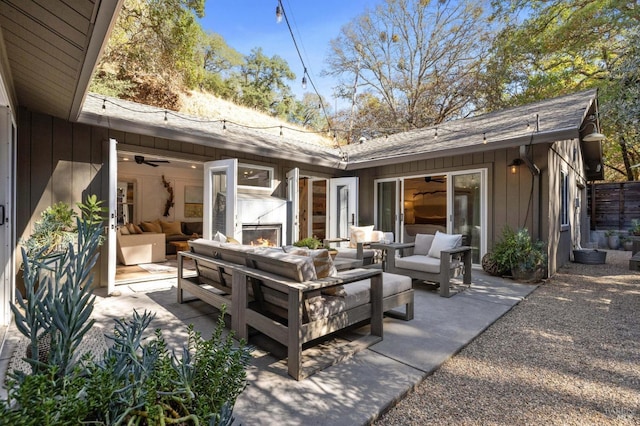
(309, 242)
(516, 249)
(137, 381)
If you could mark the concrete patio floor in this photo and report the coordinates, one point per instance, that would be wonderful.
(353, 392)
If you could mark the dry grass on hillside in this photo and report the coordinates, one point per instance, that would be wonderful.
(208, 106)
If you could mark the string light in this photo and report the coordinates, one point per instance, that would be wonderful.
(304, 80)
(165, 116)
(435, 136)
(224, 125)
(278, 14)
(104, 104)
(484, 138)
(280, 130)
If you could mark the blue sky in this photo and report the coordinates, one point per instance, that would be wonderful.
(246, 24)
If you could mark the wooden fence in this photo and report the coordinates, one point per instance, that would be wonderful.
(613, 205)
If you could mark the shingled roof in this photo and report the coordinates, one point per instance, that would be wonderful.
(541, 122)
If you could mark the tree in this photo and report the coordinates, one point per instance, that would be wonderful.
(220, 61)
(154, 46)
(553, 52)
(309, 113)
(262, 83)
(421, 59)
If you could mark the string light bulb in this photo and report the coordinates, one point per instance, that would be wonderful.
(280, 130)
(304, 79)
(224, 125)
(484, 138)
(165, 116)
(278, 14)
(104, 104)
(435, 135)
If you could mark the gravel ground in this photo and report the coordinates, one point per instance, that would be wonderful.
(569, 354)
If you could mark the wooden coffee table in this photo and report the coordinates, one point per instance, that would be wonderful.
(180, 245)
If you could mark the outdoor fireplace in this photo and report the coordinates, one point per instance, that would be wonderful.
(265, 235)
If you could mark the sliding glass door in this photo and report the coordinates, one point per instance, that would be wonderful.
(452, 202)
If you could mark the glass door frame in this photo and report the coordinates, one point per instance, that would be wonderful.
(399, 222)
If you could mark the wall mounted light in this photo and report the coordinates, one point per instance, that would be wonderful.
(595, 136)
(517, 162)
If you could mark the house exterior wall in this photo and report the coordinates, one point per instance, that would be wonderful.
(510, 196)
(564, 156)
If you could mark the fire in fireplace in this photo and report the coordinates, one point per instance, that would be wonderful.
(265, 235)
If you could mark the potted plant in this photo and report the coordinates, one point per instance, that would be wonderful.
(613, 239)
(309, 242)
(627, 243)
(516, 252)
(635, 227)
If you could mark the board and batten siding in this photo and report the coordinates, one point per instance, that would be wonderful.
(510, 196)
(56, 161)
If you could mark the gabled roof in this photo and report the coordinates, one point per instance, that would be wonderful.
(541, 122)
(51, 49)
(133, 117)
(546, 121)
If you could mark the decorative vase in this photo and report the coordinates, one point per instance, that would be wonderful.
(614, 242)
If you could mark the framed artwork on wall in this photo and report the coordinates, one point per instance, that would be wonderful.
(193, 201)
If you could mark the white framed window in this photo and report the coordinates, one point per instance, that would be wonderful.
(255, 177)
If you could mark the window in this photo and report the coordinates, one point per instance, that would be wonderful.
(255, 176)
(564, 198)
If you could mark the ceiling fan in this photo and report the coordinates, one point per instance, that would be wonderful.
(141, 160)
(439, 179)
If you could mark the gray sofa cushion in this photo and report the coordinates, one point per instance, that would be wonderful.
(291, 266)
(419, 262)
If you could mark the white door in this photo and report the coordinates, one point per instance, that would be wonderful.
(343, 206)
(7, 214)
(220, 199)
(293, 196)
(110, 228)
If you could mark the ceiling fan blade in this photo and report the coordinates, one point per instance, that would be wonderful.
(150, 164)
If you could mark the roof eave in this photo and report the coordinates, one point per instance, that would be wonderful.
(537, 138)
(105, 15)
(212, 140)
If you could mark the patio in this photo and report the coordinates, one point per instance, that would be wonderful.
(355, 391)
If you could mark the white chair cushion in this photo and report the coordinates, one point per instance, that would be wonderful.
(443, 241)
(423, 243)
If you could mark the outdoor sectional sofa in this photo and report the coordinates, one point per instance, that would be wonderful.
(280, 295)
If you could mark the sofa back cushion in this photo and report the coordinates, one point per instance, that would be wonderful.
(152, 226)
(442, 241)
(204, 247)
(289, 266)
(190, 228)
(323, 263)
(171, 228)
(423, 244)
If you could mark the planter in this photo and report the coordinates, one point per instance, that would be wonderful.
(614, 242)
(628, 245)
(590, 257)
(528, 275)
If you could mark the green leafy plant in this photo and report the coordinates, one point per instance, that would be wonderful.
(137, 381)
(635, 227)
(309, 242)
(516, 249)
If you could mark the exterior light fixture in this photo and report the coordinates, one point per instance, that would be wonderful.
(278, 14)
(517, 162)
(595, 136)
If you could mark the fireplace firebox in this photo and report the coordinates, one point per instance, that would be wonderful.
(266, 235)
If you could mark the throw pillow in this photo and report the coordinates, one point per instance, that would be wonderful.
(137, 229)
(423, 243)
(220, 237)
(360, 234)
(443, 241)
(124, 230)
(323, 263)
(152, 227)
(232, 240)
(171, 228)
